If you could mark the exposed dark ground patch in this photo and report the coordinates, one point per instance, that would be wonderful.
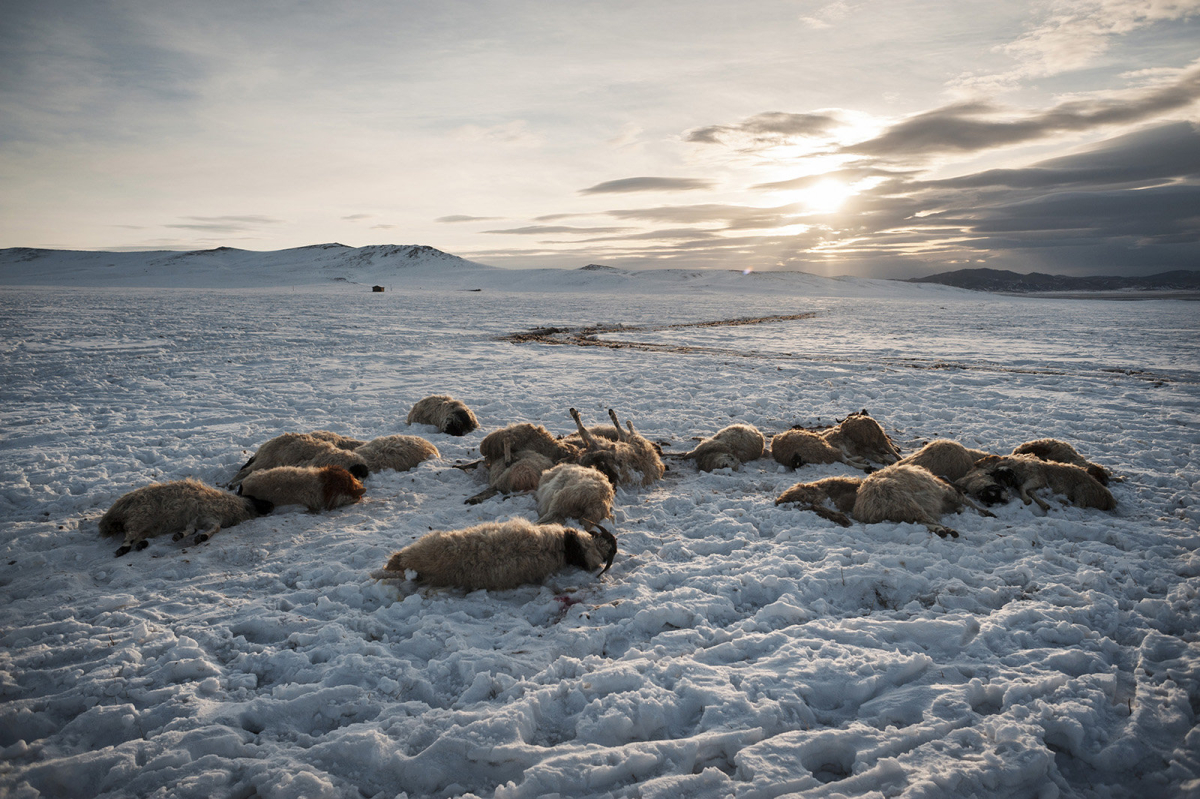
(590, 337)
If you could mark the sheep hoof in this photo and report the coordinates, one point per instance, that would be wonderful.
(177, 536)
(944, 532)
(140, 545)
(122, 551)
(201, 538)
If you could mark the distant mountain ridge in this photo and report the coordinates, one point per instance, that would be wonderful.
(1003, 280)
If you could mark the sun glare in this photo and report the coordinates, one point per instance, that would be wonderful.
(825, 197)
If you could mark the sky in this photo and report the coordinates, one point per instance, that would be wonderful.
(882, 139)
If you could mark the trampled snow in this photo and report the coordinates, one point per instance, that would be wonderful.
(736, 648)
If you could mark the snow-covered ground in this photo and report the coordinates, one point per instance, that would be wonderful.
(736, 648)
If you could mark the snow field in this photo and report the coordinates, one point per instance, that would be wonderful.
(736, 648)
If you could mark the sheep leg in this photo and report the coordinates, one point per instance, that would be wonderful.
(941, 529)
(211, 528)
(966, 500)
(621, 434)
(1043, 504)
(588, 440)
(507, 452)
(832, 515)
(486, 494)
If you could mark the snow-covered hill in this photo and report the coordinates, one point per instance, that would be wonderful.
(338, 267)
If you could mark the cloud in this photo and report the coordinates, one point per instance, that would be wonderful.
(647, 184)
(976, 126)
(382, 227)
(1074, 33)
(225, 224)
(851, 174)
(541, 230)
(357, 217)
(769, 126)
(464, 218)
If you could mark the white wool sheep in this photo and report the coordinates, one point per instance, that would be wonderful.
(897, 493)
(945, 458)
(400, 453)
(729, 447)
(500, 555)
(1051, 449)
(570, 491)
(181, 507)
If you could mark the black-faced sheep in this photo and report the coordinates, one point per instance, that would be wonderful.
(1051, 449)
(500, 555)
(897, 493)
(400, 453)
(1026, 474)
(629, 459)
(729, 447)
(445, 413)
(337, 439)
(181, 508)
(316, 488)
(945, 458)
(569, 491)
(301, 449)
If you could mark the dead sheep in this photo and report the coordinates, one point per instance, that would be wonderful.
(861, 436)
(1051, 449)
(301, 449)
(399, 453)
(524, 436)
(445, 413)
(839, 491)
(729, 447)
(181, 507)
(855, 441)
(629, 459)
(1026, 474)
(316, 488)
(497, 556)
(897, 493)
(796, 448)
(520, 472)
(569, 491)
(337, 439)
(945, 458)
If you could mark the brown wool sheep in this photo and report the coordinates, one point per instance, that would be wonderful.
(840, 491)
(524, 436)
(729, 447)
(945, 458)
(181, 508)
(854, 441)
(301, 449)
(445, 413)
(1026, 474)
(897, 493)
(1051, 449)
(400, 453)
(630, 459)
(861, 436)
(569, 491)
(338, 440)
(500, 555)
(316, 488)
(795, 448)
(520, 472)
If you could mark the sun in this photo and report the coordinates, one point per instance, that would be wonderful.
(825, 197)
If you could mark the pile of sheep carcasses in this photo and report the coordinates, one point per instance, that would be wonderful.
(320, 470)
(574, 477)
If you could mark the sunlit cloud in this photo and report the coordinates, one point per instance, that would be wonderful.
(625, 185)
(541, 230)
(456, 218)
